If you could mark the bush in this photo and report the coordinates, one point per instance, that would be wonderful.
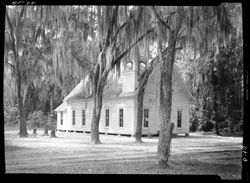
(208, 126)
(51, 121)
(158, 132)
(193, 126)
(6, 117)
(36, 119)
(226, 130)
(14, 112)
(236, 129)
(11, 115)
(196, 117)
(241, 125)
(223, 125)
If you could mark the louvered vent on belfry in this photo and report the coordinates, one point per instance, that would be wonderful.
(142, 66)
(130, 65)
(129, 80)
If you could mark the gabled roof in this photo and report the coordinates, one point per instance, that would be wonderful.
(78, 90)
(111, 90)
(182, 82)
(61, 107)
(177, 75)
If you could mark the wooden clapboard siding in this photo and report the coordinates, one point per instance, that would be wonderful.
(150, 102)
(78, 106)
(154, 121)
(125, 103)
(58, 120)
(129, 81)
(65, 120)
(180, 102)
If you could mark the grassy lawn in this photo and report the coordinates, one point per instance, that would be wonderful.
(71, 153)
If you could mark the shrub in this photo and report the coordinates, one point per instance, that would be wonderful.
(11, 115)
(196, 117)
(223, 124)
(208, 126)
(226, 130)
(36, 119)
(241, 125)
(51, 119)
(14, 112)
(236, 129)
(6, 116)
(158, 132)
(193, 126)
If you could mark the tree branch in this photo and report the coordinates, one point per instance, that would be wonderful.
(21, 13)
(181, 31)
(12, 40)
(122, 26)
(11, 64)
(130, 47)
(37, 58)
(19, 27)
(146, 74)
(114, 15)
(38, 32)
(160, 19)
(178, 48)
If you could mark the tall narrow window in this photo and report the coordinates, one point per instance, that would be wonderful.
(145, 124)
(121, 117)
(61, 118)
(107, 117)
(179, 116)
(83, 117)
(74, 117)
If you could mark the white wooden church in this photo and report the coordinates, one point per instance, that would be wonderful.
(119, 110)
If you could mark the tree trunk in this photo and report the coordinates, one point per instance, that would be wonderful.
(34, 131)
(96, 115)
(27, 102)
(51, 101)
(46, 132)
(216, 126)
(166, 89)
(23, 131)
(138, 132)
(32, 100)
(52, 133)
(95, 120)
(166, 102)
(22, 123)
(165, 131)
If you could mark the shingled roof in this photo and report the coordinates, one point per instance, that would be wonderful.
(111, 90)
(61, 107)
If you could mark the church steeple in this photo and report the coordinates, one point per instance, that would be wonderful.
(132, 67)
(129, 77)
